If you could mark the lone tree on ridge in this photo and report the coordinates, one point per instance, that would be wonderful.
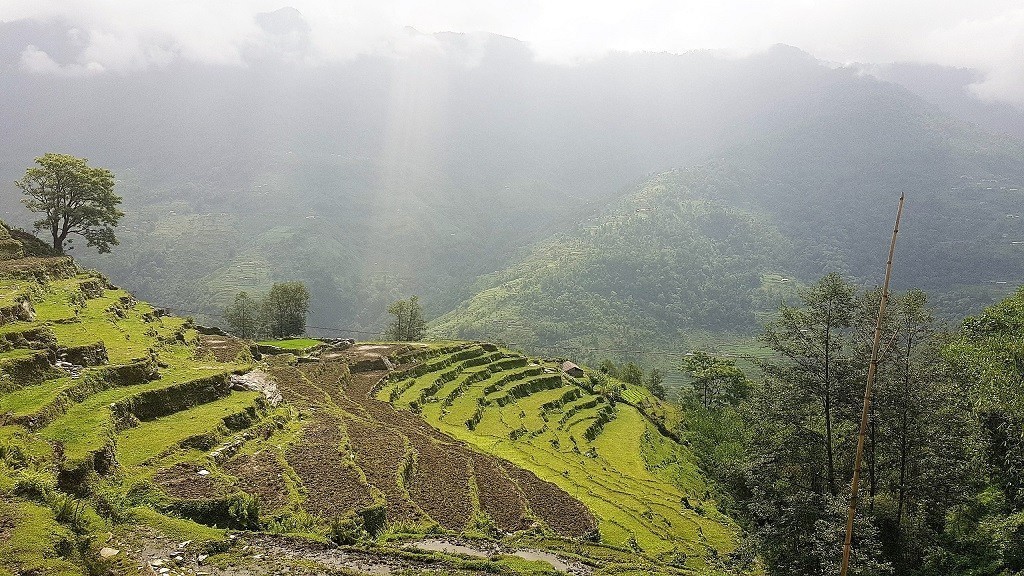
(74, 198)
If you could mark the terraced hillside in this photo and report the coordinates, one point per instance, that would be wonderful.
(127, 437)
(613, 456)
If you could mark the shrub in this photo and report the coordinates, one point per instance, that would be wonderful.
(346, 530)
(69, 511)
(244, 511)
(294, 522)
(34, 484)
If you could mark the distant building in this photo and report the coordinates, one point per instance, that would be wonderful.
(572, 369)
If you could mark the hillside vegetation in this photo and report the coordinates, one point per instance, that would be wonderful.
(455, 163)
(665, 266)
(701, 257)
(128, 438)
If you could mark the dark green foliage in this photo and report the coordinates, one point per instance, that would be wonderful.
(608, 367)
(243, 316)
(632, 374)
(240, 511)
(718, 438)
(347, 530)
(986, 355)
(74, 198)
(374, 518)
(714, 381)
(656, 383)
(69, 511)
(284, 309)
(795, 437)
(244, 511)
(408, 324)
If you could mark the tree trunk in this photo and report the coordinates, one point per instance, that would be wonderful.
(828, 411)
(904, 451)
(58, 242)
(872, 482)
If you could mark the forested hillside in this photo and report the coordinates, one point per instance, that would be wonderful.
(664, 267)
(708, 250)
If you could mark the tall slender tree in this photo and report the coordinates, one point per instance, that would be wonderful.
(814, 340)
(243, 316)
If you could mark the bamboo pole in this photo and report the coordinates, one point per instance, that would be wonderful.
(872, 368)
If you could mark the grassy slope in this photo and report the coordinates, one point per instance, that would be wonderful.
(83, 416)
(40, 535)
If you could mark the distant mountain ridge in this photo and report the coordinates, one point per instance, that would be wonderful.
(381, 177)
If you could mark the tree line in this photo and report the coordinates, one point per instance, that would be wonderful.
(942, 486)
(279, 313)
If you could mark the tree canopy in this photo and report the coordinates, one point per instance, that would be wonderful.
(278, 314)
(243, 316)
(715, 380)
(74, 199)
(408, 324)
(284, 309)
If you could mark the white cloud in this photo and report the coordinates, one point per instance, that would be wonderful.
(121, 35)
(35, 60)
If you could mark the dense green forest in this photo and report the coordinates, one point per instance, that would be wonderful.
(941, 490)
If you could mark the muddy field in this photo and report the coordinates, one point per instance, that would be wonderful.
(331, 479)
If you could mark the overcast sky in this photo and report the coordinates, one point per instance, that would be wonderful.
(122, 35)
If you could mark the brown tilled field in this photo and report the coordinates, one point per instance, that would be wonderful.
(223, 348)
(260, 474)
(352, 445)
(331, 479)
(500, 497)
(440, 482)
(183, 481)
(563, 513)
(381, 454)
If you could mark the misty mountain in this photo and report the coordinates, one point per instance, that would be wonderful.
(949, 89)
(663, 267)
(708, 250)
(384, 176)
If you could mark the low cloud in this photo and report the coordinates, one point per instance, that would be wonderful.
(119, 36)
(35, 60)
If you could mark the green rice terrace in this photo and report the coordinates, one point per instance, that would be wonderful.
(132, 440)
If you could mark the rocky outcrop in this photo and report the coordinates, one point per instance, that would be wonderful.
(257, 381)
